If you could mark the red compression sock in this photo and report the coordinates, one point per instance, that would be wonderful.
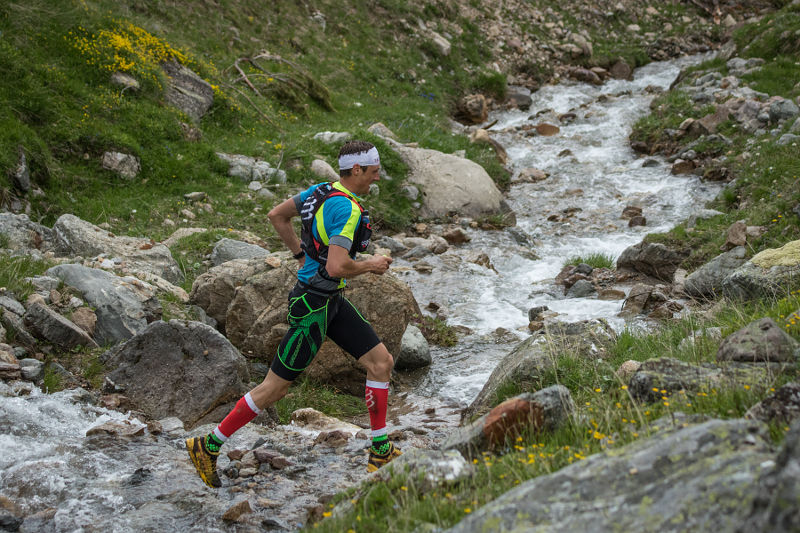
(377, 398)
(245, 411)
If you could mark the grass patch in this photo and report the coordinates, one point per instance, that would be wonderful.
(596, 260)
(14, 270)
(326, 399)
(436, 331)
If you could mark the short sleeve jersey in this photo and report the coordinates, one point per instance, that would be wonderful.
(335, 223)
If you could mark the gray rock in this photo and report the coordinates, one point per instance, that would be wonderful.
(702, 214)
(706, 281)
(126, 165)
(414, 350)
(780, 407)
(775, 507)
(44, 283)
(48, 325)
(24, 235)
(582, 288)
(699, 478)
(12, 321)
(10, 304)
(123, 305)
(783, 109)
(76, 237)
(333, 137)
(752, 282)
(21, 176)
(229, 249)
(673, 375)
(381, 130)
(32, 369)
(653, 259)
(390, 244)
(172, 425)
(787, 138)
(187, 91)
(417, 252)
(183, 369)
(636, 300)
(323, 170)
(431, 468)
(761, 341)
(527, 363)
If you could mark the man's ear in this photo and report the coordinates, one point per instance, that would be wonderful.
(357, 166)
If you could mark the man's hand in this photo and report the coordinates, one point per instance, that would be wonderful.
(379, 263)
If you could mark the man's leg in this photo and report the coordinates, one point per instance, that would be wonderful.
(307, 323)
(205, 450)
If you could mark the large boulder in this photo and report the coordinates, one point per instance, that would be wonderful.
(179, 368)
(766, 275)
(415, 352)
(780, 407)
(706, 281)
(653, 259)
(699, 478)
(673, 375)
(213, 290)
(256, 321)
(76, 237)
(761, 341)
(527, 363)
(450, 184)
(776, 506)
(187, 91)
(24, 235)
(123, 305)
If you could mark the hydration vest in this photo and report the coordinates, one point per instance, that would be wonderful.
(315, 249)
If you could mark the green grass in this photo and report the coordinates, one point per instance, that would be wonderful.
(607, 418)
(595, 260)
(304, 393)
(14, 270)
(436, 331)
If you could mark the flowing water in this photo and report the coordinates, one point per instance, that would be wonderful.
(79, 483)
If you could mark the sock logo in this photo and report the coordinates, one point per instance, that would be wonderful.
(370, 400)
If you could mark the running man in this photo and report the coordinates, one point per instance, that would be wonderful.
(335, 227)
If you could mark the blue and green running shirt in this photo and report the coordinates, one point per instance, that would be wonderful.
(335, 223)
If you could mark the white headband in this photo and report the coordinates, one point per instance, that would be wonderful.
(362, 159)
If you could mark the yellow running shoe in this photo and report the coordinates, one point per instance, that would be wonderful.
(377, 460)
(204, 461)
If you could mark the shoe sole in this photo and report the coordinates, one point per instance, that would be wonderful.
(193, 455)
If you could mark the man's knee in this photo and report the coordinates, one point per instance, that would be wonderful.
(379, 361)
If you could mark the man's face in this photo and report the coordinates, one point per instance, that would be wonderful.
(364, 177)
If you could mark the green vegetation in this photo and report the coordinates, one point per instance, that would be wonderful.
(14, 270)
(436, 331)
(304, 393)
(596, 260)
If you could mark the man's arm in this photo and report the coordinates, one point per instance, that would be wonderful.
(341, 265)
(281, 218)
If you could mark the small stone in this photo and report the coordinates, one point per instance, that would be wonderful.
(237, 510)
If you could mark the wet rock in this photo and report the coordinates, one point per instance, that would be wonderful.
(334, 439)
(715, 464)
(637, 299)
(532, 175)
(585, 75)
(31, 369)
(682, 166)
(519, 97)
(312, 419)
(631, 211)
(121, 430)
(610, 294)
(781, 407)
(621, 70)
(706, 281)
(547, 130)
(653, 259)
(414, 350)
(581, 289)
(455, 236)
(48, 325)
(179, 368)
(637, 221)
(761, 341)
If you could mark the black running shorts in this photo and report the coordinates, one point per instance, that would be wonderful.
(312, 317)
